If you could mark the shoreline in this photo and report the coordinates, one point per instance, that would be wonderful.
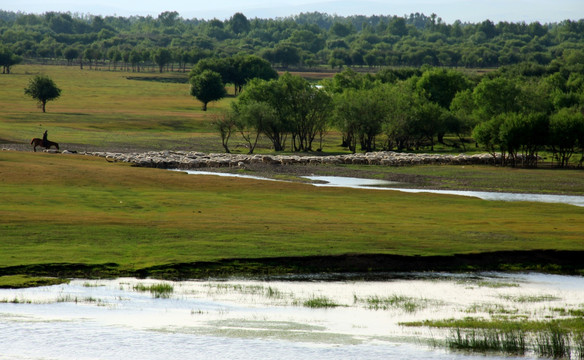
(334, 267)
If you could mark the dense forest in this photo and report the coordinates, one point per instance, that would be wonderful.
(307, 40)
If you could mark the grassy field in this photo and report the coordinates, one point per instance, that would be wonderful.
(72, 209)
(105, 109)
(113, 110)
(79, 209)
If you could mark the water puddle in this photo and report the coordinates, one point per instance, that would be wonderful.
(251, 319)
(359, 183)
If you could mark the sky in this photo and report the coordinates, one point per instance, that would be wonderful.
(544, 11)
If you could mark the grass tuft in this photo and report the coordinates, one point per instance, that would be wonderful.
(407, 304)
(489, 340)
(158, 290)
(320, 302)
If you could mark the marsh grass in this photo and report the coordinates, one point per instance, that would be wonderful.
(578, 344)
(554, 343)
(316, 302)
(491, 309)
(489, 340)
(15, 300)
(558, 339)
(161, 290)
(405, 303)
(268, 292)
(529, 298)
(90, 285)
(493, 284)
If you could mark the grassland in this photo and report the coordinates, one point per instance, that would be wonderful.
(114, 110)
(105, 109)
(77, 216)
(75, 209)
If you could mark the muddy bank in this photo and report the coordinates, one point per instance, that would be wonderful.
(350, 265)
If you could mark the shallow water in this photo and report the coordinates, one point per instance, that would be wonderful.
(358, 183)
(338, 181)
(245, 319)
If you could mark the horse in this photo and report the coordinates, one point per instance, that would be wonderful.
(39, 142)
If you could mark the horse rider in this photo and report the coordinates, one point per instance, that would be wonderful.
(45, 144)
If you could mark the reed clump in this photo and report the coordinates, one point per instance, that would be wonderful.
(157, 290)
(489, 340)
(320, 302)
(553, 342)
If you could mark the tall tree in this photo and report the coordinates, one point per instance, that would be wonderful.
(225, 123)
(43, 89)
(162, 57)
(8, 59)
(360, 114)
(207, 87)
(496, 96)
(566, 128)
(270, 94)
(239, 24)
(71, 53)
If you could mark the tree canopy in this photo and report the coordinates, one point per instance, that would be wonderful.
(207, 86)
(306, 39)
(43, 89)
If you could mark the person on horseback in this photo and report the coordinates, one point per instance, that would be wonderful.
(45, 144)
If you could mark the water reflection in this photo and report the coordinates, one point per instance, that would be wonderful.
(249, 319)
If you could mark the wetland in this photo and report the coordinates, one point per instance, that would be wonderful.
(281, 319)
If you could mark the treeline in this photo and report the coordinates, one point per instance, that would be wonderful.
(307, 39)
(514, 113)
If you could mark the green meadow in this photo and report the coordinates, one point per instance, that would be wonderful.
(80, 209)
(106, 109)
(76, 209)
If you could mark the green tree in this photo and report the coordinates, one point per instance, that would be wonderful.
(43, 89)
(207, 87)
(566, 128)
(253, 119)
(496, 96)
(360, 115)
(71, 53)
(272, 95)
(91, 54)
(486, 133)
(222, 66)
(441, 85)
(283, 54)
(462, 107)
(162, 57)
(225, 123)
(429, 122)
(308, 110)
(245, 68)
(8, 59)
(349, 79)
(239, 24)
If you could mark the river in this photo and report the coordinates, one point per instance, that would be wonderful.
(359, 183)
(255, 319)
